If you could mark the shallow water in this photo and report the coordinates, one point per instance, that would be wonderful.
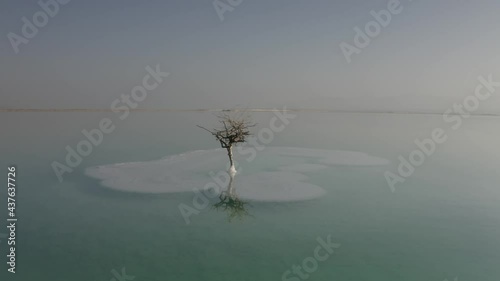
(442, 222)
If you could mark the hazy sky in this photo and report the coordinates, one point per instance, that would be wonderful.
(263, 54)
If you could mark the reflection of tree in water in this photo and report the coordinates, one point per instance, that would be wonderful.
(230, 203)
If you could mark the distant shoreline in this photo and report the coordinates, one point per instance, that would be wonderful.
(60, 110)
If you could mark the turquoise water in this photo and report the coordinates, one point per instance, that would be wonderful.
(442, 223)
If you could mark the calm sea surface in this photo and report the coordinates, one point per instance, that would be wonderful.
(442, 222)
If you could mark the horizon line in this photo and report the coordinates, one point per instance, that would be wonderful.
(318, 110)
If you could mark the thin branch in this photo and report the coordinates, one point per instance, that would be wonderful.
(205, 129)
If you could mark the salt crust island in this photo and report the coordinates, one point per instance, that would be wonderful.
(276, 174)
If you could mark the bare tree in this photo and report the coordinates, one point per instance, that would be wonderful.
(235, 129)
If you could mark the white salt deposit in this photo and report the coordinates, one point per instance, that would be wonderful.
(198, 169)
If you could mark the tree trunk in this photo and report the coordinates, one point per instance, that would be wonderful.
(232, 169)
